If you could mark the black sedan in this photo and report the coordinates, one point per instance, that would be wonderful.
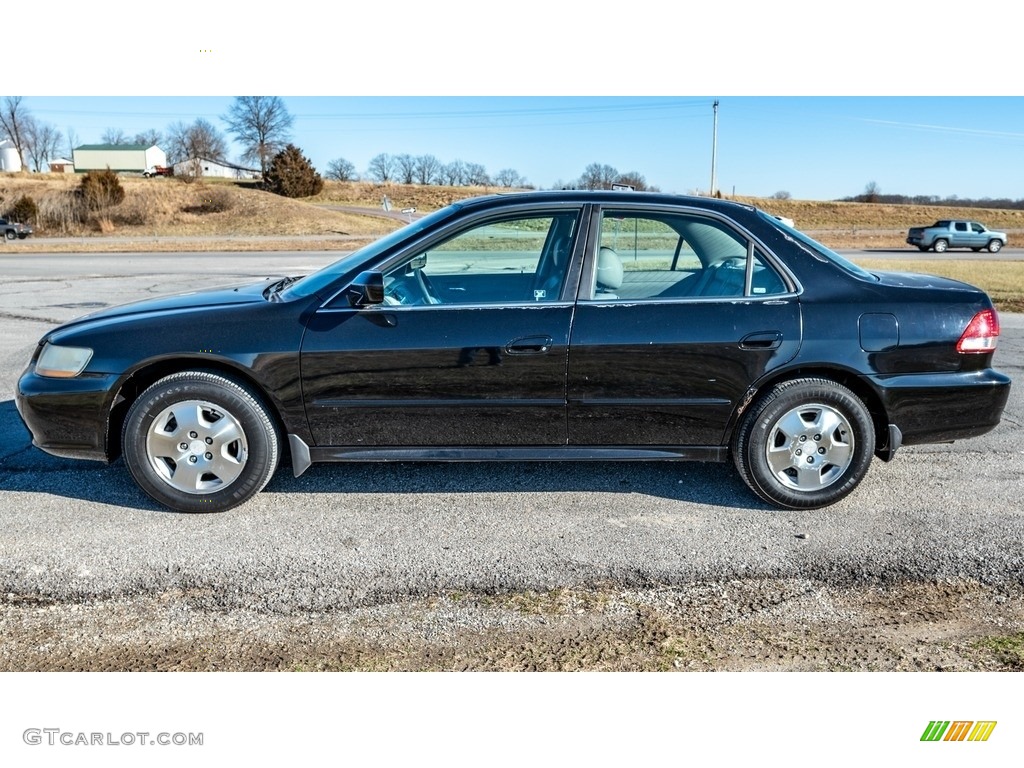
(536, 326)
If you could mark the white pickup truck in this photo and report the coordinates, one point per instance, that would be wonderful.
(952, 233)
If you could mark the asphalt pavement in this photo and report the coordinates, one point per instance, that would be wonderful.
(347, 535)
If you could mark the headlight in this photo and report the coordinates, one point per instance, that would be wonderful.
(62, 362)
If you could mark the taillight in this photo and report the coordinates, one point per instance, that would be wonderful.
(981, 333)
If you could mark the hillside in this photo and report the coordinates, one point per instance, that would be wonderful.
(164, 207)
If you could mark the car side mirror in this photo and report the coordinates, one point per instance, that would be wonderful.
(366, 289)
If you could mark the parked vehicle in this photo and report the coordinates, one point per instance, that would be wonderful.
(12, 230)
(945, 234)
(533, 326)
(158, 170)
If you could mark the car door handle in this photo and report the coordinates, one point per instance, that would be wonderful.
(529, 345)
(762, 340)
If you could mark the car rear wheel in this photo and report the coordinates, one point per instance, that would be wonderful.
(994, 246)
(10, 234)
(200, 442)
(940, 246)
(805, 443)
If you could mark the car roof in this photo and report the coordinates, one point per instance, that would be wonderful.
(603, 197)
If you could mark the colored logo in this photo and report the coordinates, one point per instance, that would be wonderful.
(958, 730)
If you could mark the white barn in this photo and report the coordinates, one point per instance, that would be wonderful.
(221, 169)
(130, 158)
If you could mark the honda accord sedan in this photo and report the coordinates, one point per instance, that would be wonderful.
(534, 326)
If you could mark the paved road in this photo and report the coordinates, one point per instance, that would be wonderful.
(364, 534)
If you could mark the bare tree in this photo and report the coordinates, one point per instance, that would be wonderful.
(871, 193)
(453, 173)
(148, 138)
(509, 177)
(427, 167)
(12, 119)
(381, 168)
(261, 124)
(340, 170)
(194, 142)
(476, 176)
(598, 176)
(405, 168)
(72, 143)
(114, 136)
(782, 195)
(635, 179)
(42, 142)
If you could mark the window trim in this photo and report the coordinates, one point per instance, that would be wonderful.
(754, 243)
(463, 224)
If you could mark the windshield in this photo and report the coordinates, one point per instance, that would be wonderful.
(820, 250)
(314, 282)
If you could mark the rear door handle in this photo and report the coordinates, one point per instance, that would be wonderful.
(762, 340)
(529, 345)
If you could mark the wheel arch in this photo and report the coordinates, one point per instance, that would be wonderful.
(849, 379)
(141, 378)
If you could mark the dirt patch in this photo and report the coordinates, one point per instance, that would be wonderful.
(736, 626)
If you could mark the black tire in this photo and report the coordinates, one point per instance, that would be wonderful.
(22, 236)
(922, 247)
(975, 249)
(994, 246)
(9, 234)
(806, 443)
(940, 246)
(218, 426)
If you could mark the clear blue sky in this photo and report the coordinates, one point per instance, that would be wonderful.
(817, 106)
(813, 147)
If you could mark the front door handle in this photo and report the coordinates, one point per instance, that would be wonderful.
(762, 340)
(529, 345)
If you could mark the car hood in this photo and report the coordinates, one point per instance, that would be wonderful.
(249, 293)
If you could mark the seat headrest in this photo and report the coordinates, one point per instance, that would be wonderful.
(609, 269)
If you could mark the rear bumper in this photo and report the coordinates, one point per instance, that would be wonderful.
(939, 408)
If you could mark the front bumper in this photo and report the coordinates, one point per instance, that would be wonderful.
(67, 417)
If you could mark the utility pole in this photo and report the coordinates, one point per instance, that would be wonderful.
(714, 151)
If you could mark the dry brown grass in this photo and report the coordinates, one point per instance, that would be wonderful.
(167, 206)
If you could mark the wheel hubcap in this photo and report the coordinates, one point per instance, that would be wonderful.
(810, 447)
(196, 447)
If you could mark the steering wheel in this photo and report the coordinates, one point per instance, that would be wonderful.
(413, 289)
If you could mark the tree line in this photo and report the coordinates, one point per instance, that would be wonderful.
(873, 194)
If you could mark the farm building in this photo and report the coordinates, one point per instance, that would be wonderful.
(130, 158)
(9, 159)
(201, 166)
(61, 165)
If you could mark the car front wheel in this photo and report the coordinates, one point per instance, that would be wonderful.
(994, 246)
(197, 441)
(805, 443)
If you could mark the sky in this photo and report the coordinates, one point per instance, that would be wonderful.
(814, 105)
(813, 147)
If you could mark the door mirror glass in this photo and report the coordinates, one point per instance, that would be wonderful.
(366, 289)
